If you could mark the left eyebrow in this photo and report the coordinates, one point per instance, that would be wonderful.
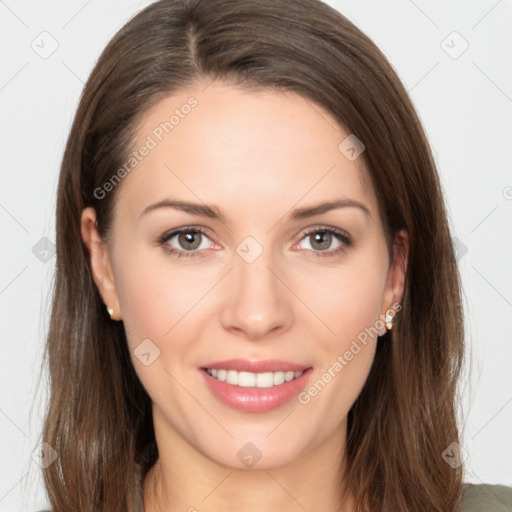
(310, 211)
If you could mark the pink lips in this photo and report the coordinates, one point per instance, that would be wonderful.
(254, 399)
(267, 365)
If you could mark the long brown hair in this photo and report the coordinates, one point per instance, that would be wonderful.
(99, 417)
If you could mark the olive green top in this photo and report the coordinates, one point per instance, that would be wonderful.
(486, 498)
(475, 498)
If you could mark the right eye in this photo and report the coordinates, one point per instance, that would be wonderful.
(184, 242)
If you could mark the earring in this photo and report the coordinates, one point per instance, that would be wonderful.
(389, 319)
(110, 311)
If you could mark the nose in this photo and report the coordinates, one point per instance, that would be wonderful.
(258, 301)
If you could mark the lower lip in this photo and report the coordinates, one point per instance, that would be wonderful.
(254, 399)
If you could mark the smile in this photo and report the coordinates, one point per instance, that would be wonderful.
(255, 392)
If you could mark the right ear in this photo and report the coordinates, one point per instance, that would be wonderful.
(100, 262)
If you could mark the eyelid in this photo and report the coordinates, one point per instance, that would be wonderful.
(171, 233)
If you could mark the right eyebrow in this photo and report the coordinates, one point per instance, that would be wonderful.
(193, 208)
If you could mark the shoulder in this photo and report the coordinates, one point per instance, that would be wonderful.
(485, 498)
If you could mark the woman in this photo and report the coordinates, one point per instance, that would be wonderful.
(257, 300)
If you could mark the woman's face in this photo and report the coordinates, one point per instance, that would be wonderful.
(247, 279)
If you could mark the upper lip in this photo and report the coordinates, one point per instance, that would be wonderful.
(253, 366)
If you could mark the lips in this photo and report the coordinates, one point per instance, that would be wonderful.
(256, 399)
(252, 366)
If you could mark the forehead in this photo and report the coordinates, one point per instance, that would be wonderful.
(254, 149)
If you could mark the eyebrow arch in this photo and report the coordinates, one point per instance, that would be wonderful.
(214, 213)
(310, 211)
(193, 208)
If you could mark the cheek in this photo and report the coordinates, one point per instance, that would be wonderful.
(349, 299)
(154, 295)
(350, 305)
(159, 304)
(142, 303)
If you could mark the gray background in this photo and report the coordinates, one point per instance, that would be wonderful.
(463, 96)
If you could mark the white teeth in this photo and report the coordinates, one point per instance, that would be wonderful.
(264, 380)
(232, 377)
(278, 378)
(248, 379)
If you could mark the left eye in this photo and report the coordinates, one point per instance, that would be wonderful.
(321, 238)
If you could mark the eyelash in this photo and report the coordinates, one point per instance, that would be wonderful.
(341, 235)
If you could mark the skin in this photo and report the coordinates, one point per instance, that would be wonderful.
(256, 156)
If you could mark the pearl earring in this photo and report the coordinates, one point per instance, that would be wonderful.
(110, 311)
(389, 319)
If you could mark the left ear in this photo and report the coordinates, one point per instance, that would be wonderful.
(397, 271)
